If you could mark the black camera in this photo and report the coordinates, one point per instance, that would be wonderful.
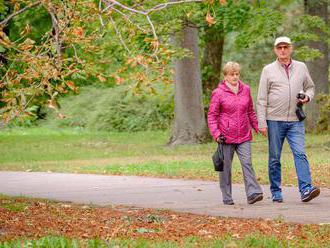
(299, 110)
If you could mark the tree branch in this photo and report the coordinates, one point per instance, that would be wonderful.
(126, 17)
(164, 5)
(56, 35)
(112, 3)
(119, 34)
(5, 21)
(124, 7)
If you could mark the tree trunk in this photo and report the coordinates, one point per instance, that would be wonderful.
(319, 68)
(212, 60)
(189, 119)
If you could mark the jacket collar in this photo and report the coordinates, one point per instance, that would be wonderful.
(224, 87)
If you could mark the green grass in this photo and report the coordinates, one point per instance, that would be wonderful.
(142, 153)
(11, 204)
(255, 241)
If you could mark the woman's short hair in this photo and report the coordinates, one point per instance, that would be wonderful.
(231, 66)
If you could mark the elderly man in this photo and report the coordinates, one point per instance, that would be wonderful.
(280, 83)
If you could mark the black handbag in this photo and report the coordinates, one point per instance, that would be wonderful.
(218, 158)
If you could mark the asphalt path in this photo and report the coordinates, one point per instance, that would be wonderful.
(191, 196)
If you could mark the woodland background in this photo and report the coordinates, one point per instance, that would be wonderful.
(147, 65)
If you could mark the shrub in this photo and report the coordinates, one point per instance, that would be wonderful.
(323, 101)
(116, 109)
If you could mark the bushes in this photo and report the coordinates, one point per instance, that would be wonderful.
(116, 109)
(323, 124)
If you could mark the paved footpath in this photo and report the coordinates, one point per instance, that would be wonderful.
(193, 196)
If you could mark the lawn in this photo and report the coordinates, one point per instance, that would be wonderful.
(143, 153)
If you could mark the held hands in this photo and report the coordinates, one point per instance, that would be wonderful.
(263, 131)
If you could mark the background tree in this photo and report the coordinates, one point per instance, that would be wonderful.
(319, 67)
(189, 120)
(222, 19)
(109, 42)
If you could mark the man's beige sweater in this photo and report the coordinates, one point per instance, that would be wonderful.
(277, 92)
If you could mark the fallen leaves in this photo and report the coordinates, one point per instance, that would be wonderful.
(43, 218)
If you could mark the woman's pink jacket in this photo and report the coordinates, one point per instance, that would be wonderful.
(232, 115)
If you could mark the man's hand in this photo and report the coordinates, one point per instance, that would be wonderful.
(305, 100)
(263, 131)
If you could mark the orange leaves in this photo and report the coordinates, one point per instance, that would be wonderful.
(72, 86)
(119, 80)
(209, 19)
(222, 2)
(51, 104)
(101, 78)
(139, 60)
(48, 68)
(40, 218)
(78, 32)
(155, 44)
(27, 45)
(4, 40)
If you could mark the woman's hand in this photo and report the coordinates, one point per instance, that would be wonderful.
(263, 131)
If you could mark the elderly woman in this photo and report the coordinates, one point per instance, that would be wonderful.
(231, 115)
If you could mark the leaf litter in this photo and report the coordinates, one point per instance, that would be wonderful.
(43, 218)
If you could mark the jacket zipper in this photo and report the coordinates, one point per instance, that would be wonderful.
(288, 76)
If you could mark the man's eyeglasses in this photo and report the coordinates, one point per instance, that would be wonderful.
(285, 47)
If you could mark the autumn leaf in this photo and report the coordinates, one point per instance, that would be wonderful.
(78, 32)
(209, 19)
(16, 6)
(51, 104)
(131, 62)
(4, 40)
(140, 59)
(26, 30)
(101, 78)
(222, 2)
(119, 80)
(155, 44)
(27, 45)
(71, 85)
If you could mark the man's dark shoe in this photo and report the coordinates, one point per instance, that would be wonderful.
(279, 200)
(277, 197)
(255, 197)
(310, 194)
(230, 202)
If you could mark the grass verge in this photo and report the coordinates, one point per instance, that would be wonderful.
(143, 153)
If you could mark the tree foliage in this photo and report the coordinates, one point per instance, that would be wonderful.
(42, 47)
(51, 46)
(48, 48)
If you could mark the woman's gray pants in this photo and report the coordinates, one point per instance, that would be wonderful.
(243, 151)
